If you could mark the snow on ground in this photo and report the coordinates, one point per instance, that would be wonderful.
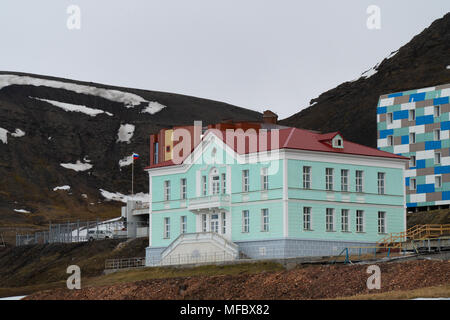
(367, 74)
(21, 211)
(128, 99)
(61, 188)
(74, 107)
(13, 298)
(79, 166)
(448, 67)
(126, 161)
(117, 196)
(4, 135)
(153, 107)
(125, 133)
(19, 133)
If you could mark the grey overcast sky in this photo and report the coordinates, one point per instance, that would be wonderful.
(256, 54)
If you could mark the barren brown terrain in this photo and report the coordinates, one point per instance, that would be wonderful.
(303, 282)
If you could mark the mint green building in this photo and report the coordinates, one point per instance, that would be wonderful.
(310, 194)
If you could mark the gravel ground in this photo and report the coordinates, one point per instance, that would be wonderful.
(304, 282)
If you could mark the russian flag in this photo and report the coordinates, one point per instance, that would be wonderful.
(135, 156)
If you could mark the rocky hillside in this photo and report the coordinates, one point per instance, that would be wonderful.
(62, 141)
(351, 107)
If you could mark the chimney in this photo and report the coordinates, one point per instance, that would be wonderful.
(270, 117)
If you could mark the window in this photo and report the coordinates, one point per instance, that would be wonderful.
(306, 218)
(204, 223)
(329, 178)
(359, 181)
(245, 221)
(359, 221)
(412, 115)
(183, 188)
(381, 222)
(183, 224)
(438, 181)
(390, 140)
(204, 185)
(264, 179)
(390, 118)
(412, 161)
(344, 180)
(214, 223)
(412, 184)
(166, 228)
(155, 153)
(245, 181)
(167, 190)
(412, 137)
(437, 158)
(215, 185)
(224, 223)
(224, 183)
(437, 111)
(344, 220)
(437, 135)
(265, 220)
(330, 219)
(381, 183)
(306, 177)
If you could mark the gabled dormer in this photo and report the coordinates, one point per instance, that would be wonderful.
(333, 139)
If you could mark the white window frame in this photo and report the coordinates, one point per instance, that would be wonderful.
(183, 188)
(306, 177)
(265, 220)
(344, 180)
(307, 219)
(166, 190)
(437, 134)
(412, 115)
(329, 219)
(245, 180)
(204, 185)
(345, 220)
(224, 183)
(183, 224)
(224, 222)
(167, 228)
(412, 184)
(390, 118)
(437, 158)
(437, 111)
(412, 161)
(390, 141)
(359, 181)
(382, 222)
(329, 172)
(412, 137)
(215, 184)
(264, 179)
(245, 221)
(381, 182)
(360, 221)
(204, 222)
(438, 181)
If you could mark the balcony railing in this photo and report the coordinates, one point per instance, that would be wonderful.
(211, 201)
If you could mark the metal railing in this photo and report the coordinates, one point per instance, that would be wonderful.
(114, 264)
(417, 232)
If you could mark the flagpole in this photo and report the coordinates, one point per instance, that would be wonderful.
(132, 177)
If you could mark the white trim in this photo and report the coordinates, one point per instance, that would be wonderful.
(285, 198)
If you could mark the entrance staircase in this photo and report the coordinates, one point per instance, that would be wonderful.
(415, 233)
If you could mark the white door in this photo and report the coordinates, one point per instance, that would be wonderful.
(215, 223)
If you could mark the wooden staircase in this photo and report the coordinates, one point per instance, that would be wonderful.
(417, 232)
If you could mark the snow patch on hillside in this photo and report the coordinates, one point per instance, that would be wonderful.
(448, 67)
(125, 133)
(21, 211)
(126, 161)
(117, 196)
(128, 99)
(75, 107)
(4, 135)
(78, 166)
(61, 188)
(18, 133)
(367, 74)
(153, 107)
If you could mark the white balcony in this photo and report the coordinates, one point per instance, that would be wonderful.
(215, 201)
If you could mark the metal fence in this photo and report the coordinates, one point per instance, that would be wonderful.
(112, 264)
(84, 231)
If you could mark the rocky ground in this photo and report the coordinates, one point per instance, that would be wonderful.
(303, 282)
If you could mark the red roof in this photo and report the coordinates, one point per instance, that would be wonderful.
(300, 139)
